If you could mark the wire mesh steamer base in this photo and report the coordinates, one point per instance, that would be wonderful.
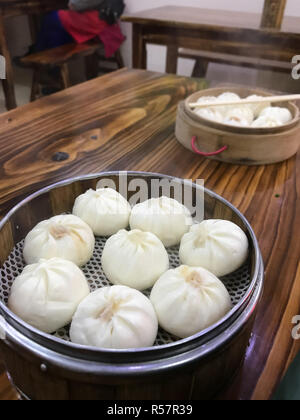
(44, 366)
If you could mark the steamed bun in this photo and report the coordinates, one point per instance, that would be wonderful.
(206, 99)
(104, 210)
(239, 116)
(46, 295)
(227, 97)
(165, 217)
(64, 236)
(219, 246)
(135, 259)
(208, 113)
(211, 114)
(259, 107)
(187, 300)
(116, 317)
(283, 115)
(264, 122)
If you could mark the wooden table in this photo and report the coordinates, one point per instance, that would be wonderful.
(125, 121)
(235, 33)
(11, 8)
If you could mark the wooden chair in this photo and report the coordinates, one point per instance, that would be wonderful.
(272, 18)
(60, 57)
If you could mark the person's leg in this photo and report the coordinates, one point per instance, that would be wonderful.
(52, 33)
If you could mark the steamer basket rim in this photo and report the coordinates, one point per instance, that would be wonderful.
(20, 325)
(151, 366)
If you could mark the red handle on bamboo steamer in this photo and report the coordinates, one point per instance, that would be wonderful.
(195, 149)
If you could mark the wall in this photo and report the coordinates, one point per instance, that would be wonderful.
(18, 35)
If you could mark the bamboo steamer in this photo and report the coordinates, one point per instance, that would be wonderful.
(46, 367)
(237, 145)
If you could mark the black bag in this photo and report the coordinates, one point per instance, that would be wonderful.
(111, 10)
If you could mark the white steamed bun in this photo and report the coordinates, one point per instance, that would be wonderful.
(259, 107)
(206, 99)
(281, 114)
(104, 210)
(46, 295)
(187, 300)
(64, 236)
(264, 122)
(165, 217)
(135, 259)
(208, 113)
(116, 317)
(239, 116)
(211, 114)
(219, 246)
(227, 97)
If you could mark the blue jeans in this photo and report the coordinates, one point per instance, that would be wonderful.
(52, 33)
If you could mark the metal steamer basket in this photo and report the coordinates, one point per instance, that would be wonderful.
(43, 366)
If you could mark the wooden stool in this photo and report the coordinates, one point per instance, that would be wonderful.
(59, 58)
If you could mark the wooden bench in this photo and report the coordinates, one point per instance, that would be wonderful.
(59, 58)
(203, 58)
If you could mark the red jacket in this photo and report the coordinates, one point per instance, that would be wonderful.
(87, 25)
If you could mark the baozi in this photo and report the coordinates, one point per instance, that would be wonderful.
(46, 295)
(64, 236)
(219, 246)
(206, 99)
(210, 114)
(263, 122)
(283, 115)
(116, 317)
(258, 107)
(104, 210)
(168, 219)
(239, 116)
(135, 259)
(227, 97)
(187, 300)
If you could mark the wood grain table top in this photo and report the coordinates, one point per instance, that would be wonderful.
(125, 121)
(193, 17)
